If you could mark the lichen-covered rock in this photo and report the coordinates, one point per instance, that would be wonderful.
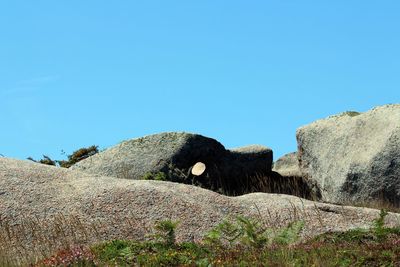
(354, 157)
(174, 154)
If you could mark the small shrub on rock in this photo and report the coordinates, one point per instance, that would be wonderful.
(166, 232)
(159, 176)
(45, 160)
(78, 155)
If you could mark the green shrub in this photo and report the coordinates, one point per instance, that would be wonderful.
(254, 234)
(165, 232)
(161, 251)
(376, 234)
(378, 225)
(251, 233)
(289, 234)
(225, 232)
(78, 155)
(45, 160)
(351, 113)
(159, 176)
(117, 252)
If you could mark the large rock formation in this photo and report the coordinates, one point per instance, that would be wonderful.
(175, 153)
(354, 157)
(44, 208)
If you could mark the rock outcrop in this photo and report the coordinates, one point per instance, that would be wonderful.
(175, 153)
(354, 157)
(44, 207)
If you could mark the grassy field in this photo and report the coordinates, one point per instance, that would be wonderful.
(237, 242)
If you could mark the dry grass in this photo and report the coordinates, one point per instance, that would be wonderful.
(272, 183)
(31, 239)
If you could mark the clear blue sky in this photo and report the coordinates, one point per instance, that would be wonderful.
(77, 73)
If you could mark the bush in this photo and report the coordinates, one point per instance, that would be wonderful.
(159, 176)
(378, 226)
(252, 233)
(166, 232)
(76, 156)
(45, 160)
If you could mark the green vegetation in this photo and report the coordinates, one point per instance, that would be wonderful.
(45, 160)
(75, 157)
(166, 232)
(79, 155)
(240, 242)
(352, 113)
(132, 253)
(348, 113)
(252, 233)
(172, 174)
(159, 176)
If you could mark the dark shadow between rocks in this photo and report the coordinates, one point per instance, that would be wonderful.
(290, 185)
(271, 182)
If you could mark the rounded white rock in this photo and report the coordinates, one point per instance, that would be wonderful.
(198, 168)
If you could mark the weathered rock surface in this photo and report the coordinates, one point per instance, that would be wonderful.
(132, 159)
(41, 205)
(354, 157)
(288, 165)
(174, 154)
